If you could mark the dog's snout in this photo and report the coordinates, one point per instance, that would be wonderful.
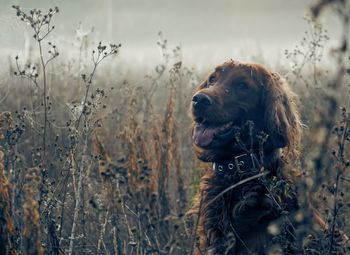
(201, 101)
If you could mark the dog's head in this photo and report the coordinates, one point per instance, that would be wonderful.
(233, 94)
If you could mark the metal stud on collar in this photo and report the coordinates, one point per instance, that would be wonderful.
(239, 163)
(230, 166)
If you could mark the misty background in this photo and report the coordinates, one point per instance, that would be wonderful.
(209, 32)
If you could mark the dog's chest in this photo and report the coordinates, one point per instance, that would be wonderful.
(242, 213)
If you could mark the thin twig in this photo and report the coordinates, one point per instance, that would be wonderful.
(265, 172)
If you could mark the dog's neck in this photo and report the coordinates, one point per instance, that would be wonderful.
(243, 162)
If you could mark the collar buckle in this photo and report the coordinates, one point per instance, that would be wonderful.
(241, 163)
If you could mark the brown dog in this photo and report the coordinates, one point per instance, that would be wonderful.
(245, 123)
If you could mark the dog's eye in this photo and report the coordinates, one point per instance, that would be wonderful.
(242, 86)
(212, 79)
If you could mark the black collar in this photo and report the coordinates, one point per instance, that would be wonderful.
(244, 163)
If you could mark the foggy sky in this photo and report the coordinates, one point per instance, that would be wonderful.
(208, 31)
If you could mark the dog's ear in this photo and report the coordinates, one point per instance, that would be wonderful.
(281, 116)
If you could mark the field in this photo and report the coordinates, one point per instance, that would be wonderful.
(96, 159)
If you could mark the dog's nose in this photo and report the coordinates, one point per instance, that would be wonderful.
(201, 101)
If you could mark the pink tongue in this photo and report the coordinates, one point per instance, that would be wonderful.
(203, 136)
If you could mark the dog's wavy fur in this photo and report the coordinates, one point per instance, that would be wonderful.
(237, 222)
